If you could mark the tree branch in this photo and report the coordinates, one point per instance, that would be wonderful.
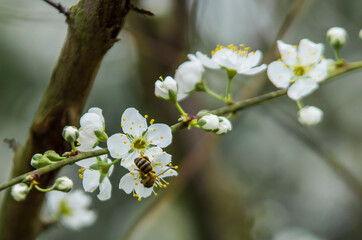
(93, 26)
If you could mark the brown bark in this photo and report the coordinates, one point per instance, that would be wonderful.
(93, 26)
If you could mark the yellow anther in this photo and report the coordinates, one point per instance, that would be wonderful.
(161, 166)
(213, 52)
(171, 172)
(151, 141)
(81, 169)
(132, 173)
(294, 46)
(125, 142)
(132, 122)
(153, 155)
(134, 178)
(140, 126)
(161, 137)
(124, 119)
(132, 165)
(170, 164)
(279, 60)
(164, 185)
(152, 121)
(136, 184)
(132, 145)
(167, 183)
(78, 143)
(123, 160)
(139, 199)
(154, 129)
(281, 55)
(117, 154)
(134, 195)
(130, 128)
(176, 167)
(247, 48)
(81, 176)
(241, 45)
(146, 116)
(155, 194)
(121, 125)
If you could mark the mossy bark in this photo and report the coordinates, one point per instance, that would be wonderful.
(93, 26)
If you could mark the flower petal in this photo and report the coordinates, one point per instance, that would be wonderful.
(86, 163)
(128, 160)
(163, 158)
(86, 141)
(105, 189)
(309, 52)
(151, 153)
(279, 74)
(288, 53)
(142, 191)
(319, 72)
(91, 122)
(169, 173)
(127, 183)
(254, 70)
(302, 88)
(159, 134)
(118, 145)
(133, 122)
(252, 59)
(97, 111)
(206, 61)
(90, 180)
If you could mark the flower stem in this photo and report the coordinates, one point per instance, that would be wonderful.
(215, 95)
(180, 109)
(228, 89)
(299, 104)
(74, 149)
(116, 161)
(43, 189)
(337, 55)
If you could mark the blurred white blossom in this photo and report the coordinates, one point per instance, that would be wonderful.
(71, 209)
(90, 122)
(224, 126)
(19, 191)
(310, 115)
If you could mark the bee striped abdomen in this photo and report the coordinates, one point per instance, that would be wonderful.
(143, 164)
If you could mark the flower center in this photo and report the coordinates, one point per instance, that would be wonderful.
(139, 144)
(299, 70)
(64, 208)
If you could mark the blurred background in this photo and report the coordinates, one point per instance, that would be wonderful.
(269, 178)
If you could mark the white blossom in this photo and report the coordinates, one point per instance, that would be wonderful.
(165, 88)
(240, 60)
(310, 115)
(337, 36)
(95, 173)
(89, 123)
(138, 138)
(72, 209)
(224, 126)
(300, 69)
(161, 164)
(188, 75)
(19, 191)
(63, 184)
(209, 122)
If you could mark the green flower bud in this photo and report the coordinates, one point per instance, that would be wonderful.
(101, 135)
(63, 184)
(38, 161)
(70, 133)
(19, 191)
(53, 156)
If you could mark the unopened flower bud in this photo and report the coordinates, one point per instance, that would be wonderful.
(53, 156)
(101, 135)
(310, 115)
(70, 133)
(19, 191)
(63, 184)
(337, 37)
(166, 89)
(209, 122)
(224, 126)
(38, 161)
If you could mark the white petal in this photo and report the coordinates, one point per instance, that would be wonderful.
(90, 180)
(86, 141)
(86, 163)
(279, 74)
(97, 111)
(159, 134)
(151, 153)
(78, 199)
(252, 59)
(142, 191)
(127, 183)
(110, 171)
(133, 122)
(118, 145)
(169, 173)
(319, 72)
(188, 75)
(105, 189)
(128, 160)
(206, 61)
(91, 121)
(162, 158)
(309, 52)
(253, 70)
(79, 219)
(302, 88)
(53, 199)
(288, 53)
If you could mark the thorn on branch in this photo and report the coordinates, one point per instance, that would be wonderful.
(58, 6)
(12, 143)
(140, 10)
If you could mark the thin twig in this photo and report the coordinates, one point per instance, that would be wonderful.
(12, 143)
(140, 10)
(58, 6)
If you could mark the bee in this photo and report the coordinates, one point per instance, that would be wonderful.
(147, 173)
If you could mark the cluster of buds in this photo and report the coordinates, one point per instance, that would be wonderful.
(213, 123)
(42, 160)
